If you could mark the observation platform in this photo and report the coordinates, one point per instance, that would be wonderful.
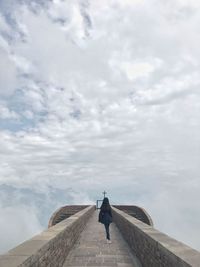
(92, 249)
(76, 238)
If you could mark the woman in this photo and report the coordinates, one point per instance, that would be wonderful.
(105, 217)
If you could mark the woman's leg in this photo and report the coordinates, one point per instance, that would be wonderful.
(107, 230)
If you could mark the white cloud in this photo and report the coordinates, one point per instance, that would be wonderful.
(5, 113)
(187, 3)
(22, 64)
(8, 74)
(137, 70)
(4, 26)
(17, 224)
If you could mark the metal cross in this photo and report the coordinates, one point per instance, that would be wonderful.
(104, 194)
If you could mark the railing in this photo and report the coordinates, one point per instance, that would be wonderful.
(97, 204)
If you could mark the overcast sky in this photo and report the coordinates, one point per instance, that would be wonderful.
(99, 95)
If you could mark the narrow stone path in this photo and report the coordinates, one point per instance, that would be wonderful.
(93, 250)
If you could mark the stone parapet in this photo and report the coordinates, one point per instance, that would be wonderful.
(153, 248)
(64, 213)
(51, 247)
(137, 212)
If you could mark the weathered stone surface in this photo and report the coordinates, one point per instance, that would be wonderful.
(11, 261)
(93, 250)
(153, 248)
(137, 212)
(64, 213)
(51, 247)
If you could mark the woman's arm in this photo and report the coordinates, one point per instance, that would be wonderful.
(110, 212)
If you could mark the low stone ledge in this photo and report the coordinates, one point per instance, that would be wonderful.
(153, 248)
(51, 247)
(137, 212)
(64, 213)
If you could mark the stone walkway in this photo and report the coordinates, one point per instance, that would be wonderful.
(93, 250)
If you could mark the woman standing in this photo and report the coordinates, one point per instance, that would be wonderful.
(105, 217)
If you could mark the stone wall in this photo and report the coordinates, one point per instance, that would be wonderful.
(153, 248)
(64, 213)
(137, 212)
(50, 248)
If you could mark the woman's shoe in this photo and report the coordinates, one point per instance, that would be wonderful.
(108, 241)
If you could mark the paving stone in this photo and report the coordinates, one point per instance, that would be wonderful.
(93, 250)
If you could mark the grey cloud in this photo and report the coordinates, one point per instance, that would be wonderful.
(173, 96)
(84, 6)
(30, 210)
(8, 74)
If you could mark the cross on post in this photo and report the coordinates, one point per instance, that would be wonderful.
(104, 194)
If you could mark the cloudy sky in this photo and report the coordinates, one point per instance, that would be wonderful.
(99, 95)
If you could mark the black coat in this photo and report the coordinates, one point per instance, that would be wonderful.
(105, 216)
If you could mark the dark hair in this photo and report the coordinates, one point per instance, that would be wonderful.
(105, 200)
(105, 205)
